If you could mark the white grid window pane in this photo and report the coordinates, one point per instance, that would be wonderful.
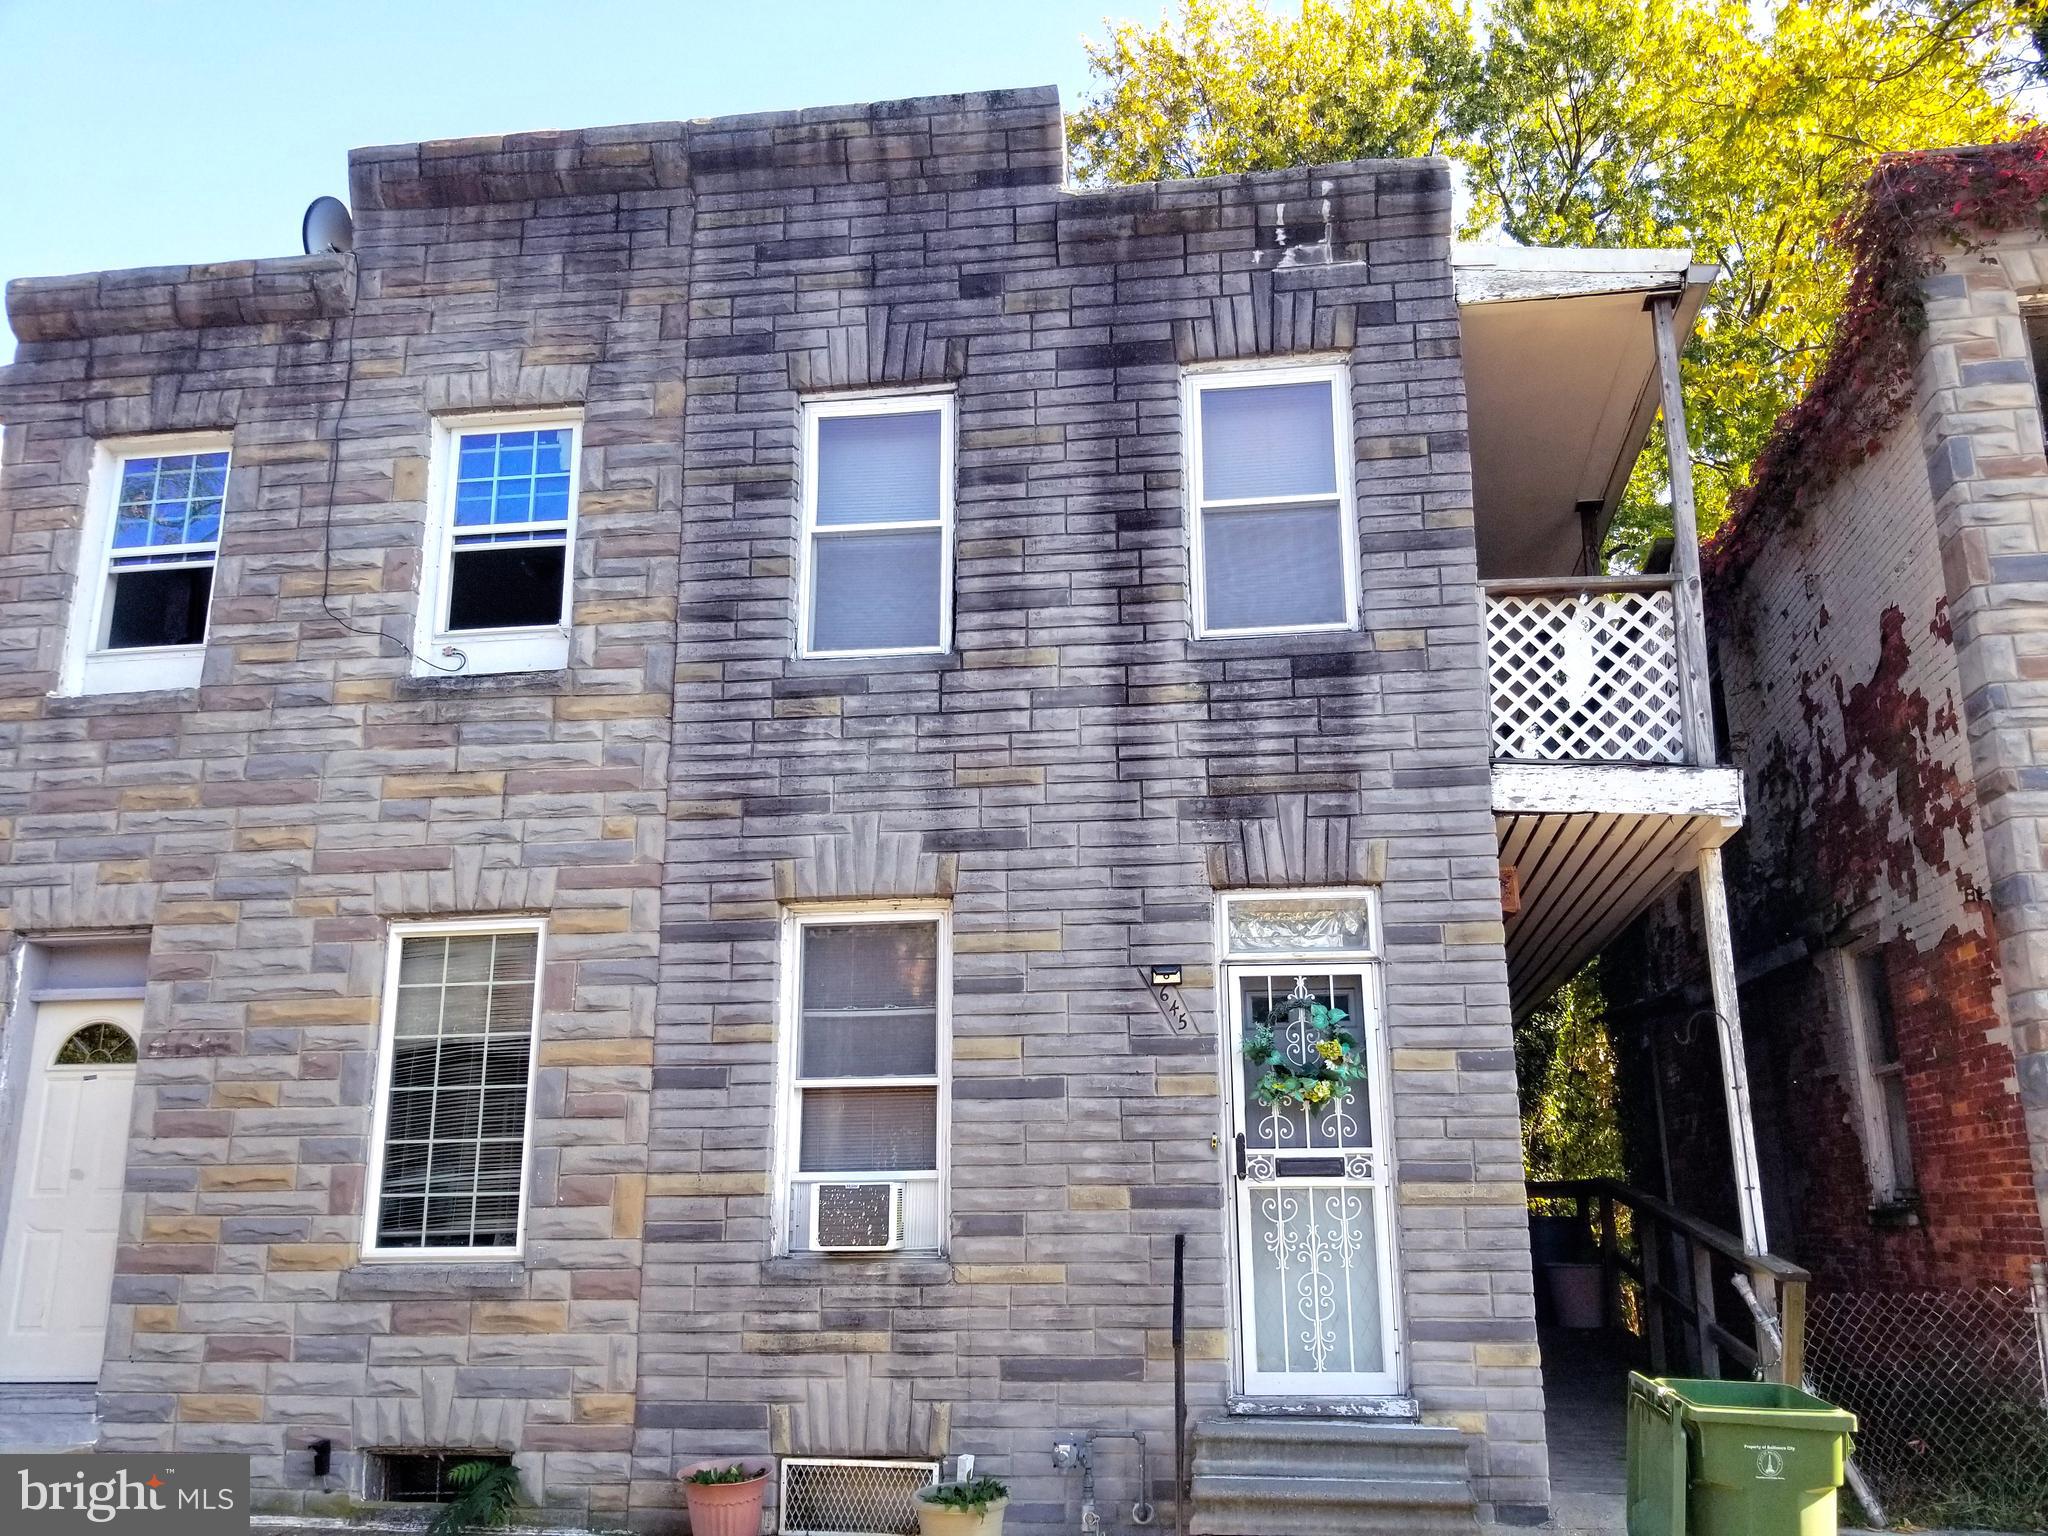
(455, 1123)
(878, 469)
(869, 1130)
(876, 591)
(170, 502)
(1268, 440)
(1273, 567)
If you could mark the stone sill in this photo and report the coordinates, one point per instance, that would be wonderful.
(406, 1280)
(1399, 1409)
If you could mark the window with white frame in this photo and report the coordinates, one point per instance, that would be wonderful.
(1879, 1077)
(448, 1164)
(1274, 534)
(151, 541)
(877, 526)
(496, 588)
(865, 1066)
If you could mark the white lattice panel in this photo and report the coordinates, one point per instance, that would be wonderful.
(1585, 677)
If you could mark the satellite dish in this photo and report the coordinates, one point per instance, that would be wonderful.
(328, 229)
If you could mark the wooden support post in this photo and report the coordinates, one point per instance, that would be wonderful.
(1792, 1323)
(1703, 1309)
(1734, 1064)
(1610, 1264)
(1695, 701)
(1650, 1243)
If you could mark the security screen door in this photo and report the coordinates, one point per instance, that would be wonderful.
(1317, 1315)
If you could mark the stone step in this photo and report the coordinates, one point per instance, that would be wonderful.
(47, 1416)
(1282, 1476)
(1330, 1506)
(1278, 1446)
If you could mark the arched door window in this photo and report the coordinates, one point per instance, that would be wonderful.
(97, 1045)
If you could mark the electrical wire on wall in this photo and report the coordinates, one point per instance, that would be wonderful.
(348, 369)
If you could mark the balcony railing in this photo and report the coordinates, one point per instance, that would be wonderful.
(1587, 672)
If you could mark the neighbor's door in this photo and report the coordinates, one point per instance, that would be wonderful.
(57, 1268)
(1315, 1275)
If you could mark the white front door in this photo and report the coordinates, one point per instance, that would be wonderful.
(71, 1152)
(1315, 1274)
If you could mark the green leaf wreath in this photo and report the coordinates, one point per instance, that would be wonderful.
(1334, 1060)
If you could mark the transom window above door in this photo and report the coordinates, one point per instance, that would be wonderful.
(877, 561)
(1273, 536)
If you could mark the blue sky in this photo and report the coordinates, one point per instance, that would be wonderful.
(144, 132)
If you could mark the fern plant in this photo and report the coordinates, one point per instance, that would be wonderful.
(490, 1493)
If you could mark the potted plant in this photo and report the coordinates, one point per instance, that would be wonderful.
(972, 1508)
(725, 1496)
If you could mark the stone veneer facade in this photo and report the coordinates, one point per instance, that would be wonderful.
(1077, 779)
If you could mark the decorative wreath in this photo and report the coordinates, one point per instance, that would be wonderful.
(1334, 1061)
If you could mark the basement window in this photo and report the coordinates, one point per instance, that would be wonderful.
(495, 591)
(421, 1477)
(151, 541)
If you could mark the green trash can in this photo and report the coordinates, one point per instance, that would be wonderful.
(1732, 1458)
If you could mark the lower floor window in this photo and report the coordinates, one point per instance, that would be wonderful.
(423, 1477)
(459, 1016)
(865, 1106)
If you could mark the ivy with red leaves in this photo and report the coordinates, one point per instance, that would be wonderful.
(1912, 205)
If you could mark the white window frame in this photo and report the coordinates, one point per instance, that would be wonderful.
(789, 1088)
(374, 1186)
(88, 667)
(1888, 1183)
(438, 651)
(1199, 382)
(899, 403)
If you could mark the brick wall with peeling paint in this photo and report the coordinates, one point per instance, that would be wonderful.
(1843, 696)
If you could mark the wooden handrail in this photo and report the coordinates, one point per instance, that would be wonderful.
(1553, 586)
(1773, 1290)
(1727, 1244)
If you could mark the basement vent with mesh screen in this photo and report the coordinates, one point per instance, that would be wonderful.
(840, 1496)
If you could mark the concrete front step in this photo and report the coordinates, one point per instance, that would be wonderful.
(1286, 1476)
(47, 1416)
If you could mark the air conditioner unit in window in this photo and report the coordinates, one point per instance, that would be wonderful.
(857, 1218)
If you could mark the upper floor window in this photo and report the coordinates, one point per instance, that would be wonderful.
(1879, 1080)
(496, 584)
(865, 1073)
(448, 1169)
(151, 541)
(1274, 539)
(877, 526)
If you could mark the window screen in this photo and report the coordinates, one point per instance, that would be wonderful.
(166, 538)
(877, 533)
(867, 1085)
(1271, 506)
(509, 546)
(455, 1124)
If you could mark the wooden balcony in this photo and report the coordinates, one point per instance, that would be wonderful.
(1605, 791)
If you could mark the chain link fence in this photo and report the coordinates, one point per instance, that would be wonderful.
(1951, 1390)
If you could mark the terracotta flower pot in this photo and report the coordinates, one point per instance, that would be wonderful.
(725, 1509)
(935, 1520)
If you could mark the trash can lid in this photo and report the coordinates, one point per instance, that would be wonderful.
(1708, 1401)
